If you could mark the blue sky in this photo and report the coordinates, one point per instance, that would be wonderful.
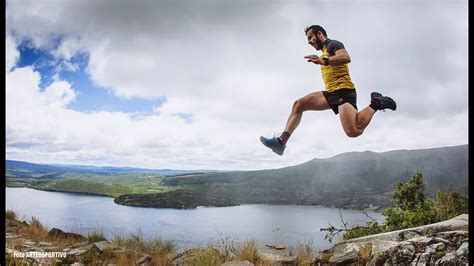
(89, 97)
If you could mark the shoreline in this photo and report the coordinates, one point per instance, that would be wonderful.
(375, 209)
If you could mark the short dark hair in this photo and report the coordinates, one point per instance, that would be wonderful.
(316, 28)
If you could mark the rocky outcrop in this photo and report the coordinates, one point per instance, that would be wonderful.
(444, 243)
(58, 233)
(276, 255)
(73, 247)
(197, 256)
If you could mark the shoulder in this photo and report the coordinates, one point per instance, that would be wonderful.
(334, 45)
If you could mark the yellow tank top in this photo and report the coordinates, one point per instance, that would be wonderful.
(336, 77)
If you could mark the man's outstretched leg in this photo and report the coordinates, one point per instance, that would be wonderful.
(354, 122)
(314, 101)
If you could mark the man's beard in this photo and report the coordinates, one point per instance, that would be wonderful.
(319, 44)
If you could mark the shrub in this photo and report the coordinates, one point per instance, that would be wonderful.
(96, 236)
(305, 253)
(412, 209)
(247, 251)
(10, 215)
(450, 205)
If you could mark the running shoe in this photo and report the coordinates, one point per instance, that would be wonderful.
(384, 101)
(273, 144)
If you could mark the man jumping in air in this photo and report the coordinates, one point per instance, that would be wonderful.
(340, 94)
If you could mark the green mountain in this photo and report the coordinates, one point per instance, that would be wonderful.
(20, 168)
(350, 180)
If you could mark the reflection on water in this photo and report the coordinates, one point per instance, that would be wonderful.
(267, 224)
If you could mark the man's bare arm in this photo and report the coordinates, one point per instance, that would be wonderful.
(341, 57)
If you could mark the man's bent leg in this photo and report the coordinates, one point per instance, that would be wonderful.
(354, 122)
(314, 101)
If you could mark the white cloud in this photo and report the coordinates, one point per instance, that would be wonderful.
(59, 94)
(68, 47)
(236, 69)
(12, 54)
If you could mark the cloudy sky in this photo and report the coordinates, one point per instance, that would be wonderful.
(190, 84)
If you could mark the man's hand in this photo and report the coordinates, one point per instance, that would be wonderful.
(314, 59)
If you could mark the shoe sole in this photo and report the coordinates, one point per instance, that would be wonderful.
(261, 140)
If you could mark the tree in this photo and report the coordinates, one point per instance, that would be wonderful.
(450, 205)
(411, 195)
(412, 208)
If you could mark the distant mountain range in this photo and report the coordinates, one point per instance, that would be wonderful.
(354, 180)
(350, 180)
(20, 167)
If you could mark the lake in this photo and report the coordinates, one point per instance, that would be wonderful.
(289, 225)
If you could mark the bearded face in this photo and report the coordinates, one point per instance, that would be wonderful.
(314, 40)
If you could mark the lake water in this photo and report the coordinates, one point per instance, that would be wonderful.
(267, 224)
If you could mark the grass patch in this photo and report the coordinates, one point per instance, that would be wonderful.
(247, 251)
(162, 252)
(35, 230)
(10, 215)
(96, 236)
(364, 254)
(208, 256)
(13, 261)
(305, 253)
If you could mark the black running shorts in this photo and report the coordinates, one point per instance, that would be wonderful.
(339, 97)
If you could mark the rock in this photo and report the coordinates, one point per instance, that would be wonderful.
(276, 255)
(29, 243)
(423, 259)
(81, 244)
(456, 237)
(58, 233)
(441, 238)
(458, 223)
(463, 250)
(9, 236)
(237, 263)
(404, 235)
(80, 250)
(449, 259)
(345, 253)
(102, 245)
(381, 251)
(144, 259)
(444, 243)
(45, 244)
(14, 225)
(404, 254)
(190, 256)
(420, 243)
(438, 246)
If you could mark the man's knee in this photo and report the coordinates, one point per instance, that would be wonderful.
(353, 132)
(298, 106)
